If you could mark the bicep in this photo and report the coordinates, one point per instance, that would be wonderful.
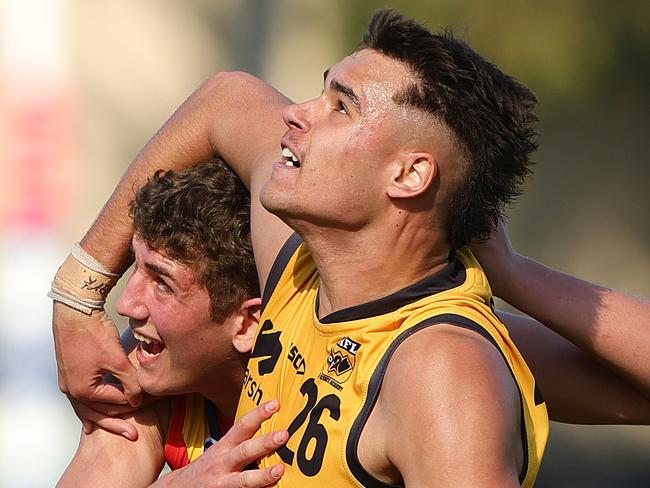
(458, 419)
(106, 460)
(570, 378)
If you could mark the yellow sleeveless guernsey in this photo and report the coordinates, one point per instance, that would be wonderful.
(327, 373)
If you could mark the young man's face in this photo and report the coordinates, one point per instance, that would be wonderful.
(344, 140)
(180, 346)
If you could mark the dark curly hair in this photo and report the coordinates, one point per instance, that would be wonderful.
(489, 113)
(201, 217)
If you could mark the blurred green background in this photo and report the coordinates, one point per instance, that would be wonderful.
(85, 83)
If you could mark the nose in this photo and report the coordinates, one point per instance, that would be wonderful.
(294, 116)
(130, 303)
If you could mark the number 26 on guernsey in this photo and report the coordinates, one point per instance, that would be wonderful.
(312, 413)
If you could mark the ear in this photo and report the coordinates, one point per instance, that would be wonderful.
(412, 175)
(247, 324)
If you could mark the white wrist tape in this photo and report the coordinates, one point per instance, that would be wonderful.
(82, 282)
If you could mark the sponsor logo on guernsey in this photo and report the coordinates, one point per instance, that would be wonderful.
(340, 363)
(297, 360)
(268, 347)
(252, 388)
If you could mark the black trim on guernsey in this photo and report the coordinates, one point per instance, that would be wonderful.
(281, 260)
(213, 420)
(365, 478)
(451, 276)
(215, 428)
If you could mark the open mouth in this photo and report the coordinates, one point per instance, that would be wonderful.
(289, 158)
(148, 347)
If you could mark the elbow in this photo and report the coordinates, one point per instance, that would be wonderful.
(231, 83)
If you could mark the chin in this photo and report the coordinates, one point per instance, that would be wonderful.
(275, 201)
(157, 387)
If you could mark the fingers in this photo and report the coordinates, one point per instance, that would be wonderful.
(250, 423)
(252, 449)
(110, 409)
(108, 393)
(125, 372)
(90, 418)
(254, 478)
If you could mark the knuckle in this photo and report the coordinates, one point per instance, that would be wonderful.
(244, 450)
(242, 481)
(240, 424)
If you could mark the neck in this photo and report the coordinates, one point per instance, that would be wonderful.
(223, 389)
(357, 267)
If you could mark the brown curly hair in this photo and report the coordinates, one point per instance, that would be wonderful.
(201, 217)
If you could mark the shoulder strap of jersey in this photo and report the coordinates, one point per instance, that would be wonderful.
(377, 378)
(282, 259)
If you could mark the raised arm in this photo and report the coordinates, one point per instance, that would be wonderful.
(609, 325)
(570, 378)
(232, 115)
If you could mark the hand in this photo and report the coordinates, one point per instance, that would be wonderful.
(498, 259)
(88, 347)
(221, 466)
(106, 416)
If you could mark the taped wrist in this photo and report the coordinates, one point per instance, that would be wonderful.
(82, 282)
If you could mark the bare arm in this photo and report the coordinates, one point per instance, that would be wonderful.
(232, 115)
(457, 420)
(570, 379)
(612, 326)
(106, 460)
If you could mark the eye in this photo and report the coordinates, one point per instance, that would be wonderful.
(163, 286)
(341, 108)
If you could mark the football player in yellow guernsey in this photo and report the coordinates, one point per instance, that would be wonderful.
(377, 335)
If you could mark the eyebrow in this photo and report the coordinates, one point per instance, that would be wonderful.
(344, 90)
(347, 92)
(161, 271)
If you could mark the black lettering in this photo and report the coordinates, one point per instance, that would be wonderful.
(296, 360)
(293, 352)
(257, 397)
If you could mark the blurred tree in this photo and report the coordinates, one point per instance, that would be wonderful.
(574, 50)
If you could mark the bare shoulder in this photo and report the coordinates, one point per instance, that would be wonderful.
(447, 391)
(447, 353)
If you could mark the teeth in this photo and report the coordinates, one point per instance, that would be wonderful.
(147, 353)
(142, 338)
(290, 158)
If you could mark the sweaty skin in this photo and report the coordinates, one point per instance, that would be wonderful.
(210, 121)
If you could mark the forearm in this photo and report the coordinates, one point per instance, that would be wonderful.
(613, 326)
(183, 140)
(107, 460)
(232, 115)
(570, 378)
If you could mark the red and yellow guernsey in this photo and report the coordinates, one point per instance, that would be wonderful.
(195, 425)
(327, 373)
